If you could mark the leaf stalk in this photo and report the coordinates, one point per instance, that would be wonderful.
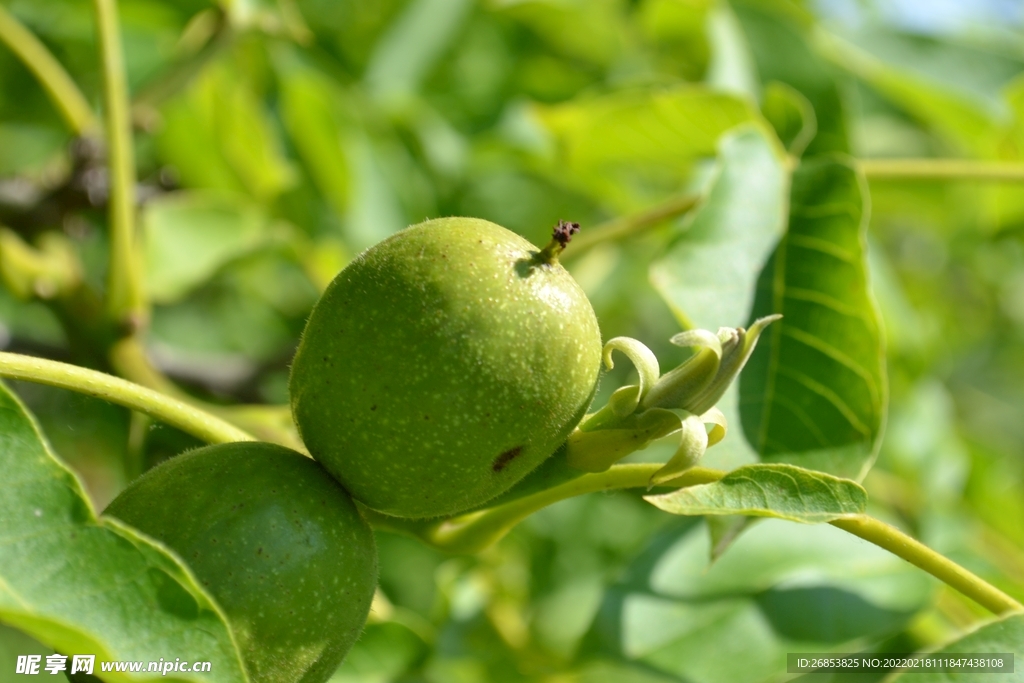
(187, 418)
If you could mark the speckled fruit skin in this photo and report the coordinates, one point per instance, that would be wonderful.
(277, 542)
(443, 365)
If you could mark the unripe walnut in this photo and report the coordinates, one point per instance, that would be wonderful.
(443, 365)
(275, 540)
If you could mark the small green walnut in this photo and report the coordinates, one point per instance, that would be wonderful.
(443, 365)
(277, 542)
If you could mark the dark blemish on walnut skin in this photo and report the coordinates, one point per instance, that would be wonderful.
(502, 461)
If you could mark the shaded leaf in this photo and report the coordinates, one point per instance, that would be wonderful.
(791, 115)
(189, 236)
(404, 55)
(85, 585)
(779, 588)
(1003, 635)
(725, 529)
(779, 37)
(780, 491)
(814, 391)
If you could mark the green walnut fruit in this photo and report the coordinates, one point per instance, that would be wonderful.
(443, 365)
(277, 542)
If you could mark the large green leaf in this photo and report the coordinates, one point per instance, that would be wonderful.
(1003, 635)
(781, 491)
(814, 392)
(85, 585)
(669, 126)
(605, 142)
(781, 587)
(709, 273)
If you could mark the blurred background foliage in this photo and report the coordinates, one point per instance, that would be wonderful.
(275, 139)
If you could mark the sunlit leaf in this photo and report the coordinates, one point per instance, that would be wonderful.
(814, 392)
(707, 275)
(85, 585)
(313, 116)
(779, 35)
(601, 138)
(219, 135)
(780, 491)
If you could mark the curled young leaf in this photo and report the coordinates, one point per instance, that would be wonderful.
(626, 399)
(674, 389)
(692, 445)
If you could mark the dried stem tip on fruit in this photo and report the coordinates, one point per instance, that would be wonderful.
(560, 238)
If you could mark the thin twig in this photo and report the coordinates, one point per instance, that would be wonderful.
(942, 169)
(126, 304)
(627, 226)
(187, 418)
(55, 80)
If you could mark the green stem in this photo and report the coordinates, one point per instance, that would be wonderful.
(267, 422)
(55, 80)
(920, 555)
(942, 169)
(189, 419)
(627, 226)
(125, 303)
(476, 531)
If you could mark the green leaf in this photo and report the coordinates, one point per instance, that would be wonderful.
(779, 35)
(84, 585)
(814, 391)
(708, 274)
(190, 235)
(780, 491)
(316, 123)
(657, 130)
(412, 45)
(956, 113)
(218, 135)
(1002, 635)
(779, 588)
